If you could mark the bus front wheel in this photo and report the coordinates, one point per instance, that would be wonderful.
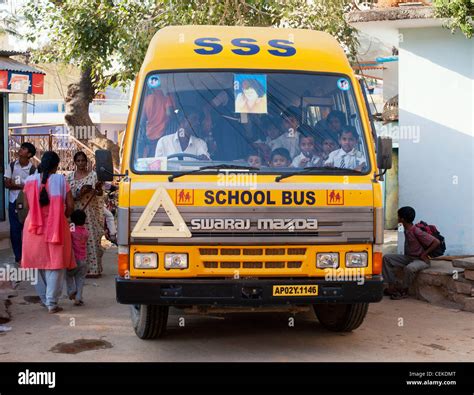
(341, 317)
(149, 321)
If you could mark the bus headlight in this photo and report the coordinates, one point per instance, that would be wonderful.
(145, 261)
(176, 261)
(327, 260)
(356, 259)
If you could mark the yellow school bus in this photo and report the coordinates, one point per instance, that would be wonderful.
(249, 179)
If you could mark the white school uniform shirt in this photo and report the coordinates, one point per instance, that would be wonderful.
(314, 161)
(352, 159)
(290, 142)
(20, 174)
(169, 145)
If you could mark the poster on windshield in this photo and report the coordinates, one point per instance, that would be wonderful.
(250, 92)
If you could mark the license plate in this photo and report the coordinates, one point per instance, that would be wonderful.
(295, 290)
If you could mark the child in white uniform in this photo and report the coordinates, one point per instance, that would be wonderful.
(347, 156)
(307, 157)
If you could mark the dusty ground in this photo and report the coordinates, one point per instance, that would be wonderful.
(407, 330)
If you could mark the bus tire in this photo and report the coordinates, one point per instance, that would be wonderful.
(149, 321)
(341, 317)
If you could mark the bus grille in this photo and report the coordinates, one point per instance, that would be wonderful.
(252, 258)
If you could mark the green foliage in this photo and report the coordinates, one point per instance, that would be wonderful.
(321, 15)
(459, 12)
(220, 12)
(110, 37)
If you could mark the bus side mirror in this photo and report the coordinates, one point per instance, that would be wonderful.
(384, 152)
(104, 165)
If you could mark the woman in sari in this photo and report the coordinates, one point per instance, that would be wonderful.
(87, 193)
(47, 236)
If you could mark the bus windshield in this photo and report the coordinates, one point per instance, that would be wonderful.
(276, 122)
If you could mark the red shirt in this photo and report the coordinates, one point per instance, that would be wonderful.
(155, 109)
(416, 241)
(79, 242)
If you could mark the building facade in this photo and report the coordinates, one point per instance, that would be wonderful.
(436, 118)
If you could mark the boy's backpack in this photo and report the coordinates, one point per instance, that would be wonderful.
(433, 231)
(21, 207)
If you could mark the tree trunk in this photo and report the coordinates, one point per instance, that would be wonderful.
(79, 96)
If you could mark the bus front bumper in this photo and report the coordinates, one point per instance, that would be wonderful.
(245, 292)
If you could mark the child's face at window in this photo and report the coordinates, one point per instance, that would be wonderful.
(328, 146)
(272, 131)
(307, 144)
(347, 142)
(280, 161)
(335, 124)
(254, 161)
(291, 123)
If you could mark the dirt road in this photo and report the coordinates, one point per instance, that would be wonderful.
(407, 330)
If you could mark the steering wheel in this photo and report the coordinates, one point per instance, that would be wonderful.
(182, 155)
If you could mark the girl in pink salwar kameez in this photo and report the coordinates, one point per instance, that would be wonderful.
(46, 235)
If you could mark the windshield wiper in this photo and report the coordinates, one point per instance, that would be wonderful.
(211, 167)
(312, 168)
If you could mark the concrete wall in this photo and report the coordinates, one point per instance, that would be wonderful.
(390, 80)
(436, 174)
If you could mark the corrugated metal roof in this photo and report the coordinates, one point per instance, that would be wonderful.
(356, 67)
(13, 65)
(8, 53)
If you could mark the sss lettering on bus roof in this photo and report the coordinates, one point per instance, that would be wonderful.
(243, 46)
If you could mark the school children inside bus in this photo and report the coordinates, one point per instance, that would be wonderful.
(308, 156)
(280, 157)
(348, 156)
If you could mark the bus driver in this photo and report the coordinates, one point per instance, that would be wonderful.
(185, 139)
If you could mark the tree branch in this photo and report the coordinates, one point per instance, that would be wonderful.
(261, 12)
(224, 14)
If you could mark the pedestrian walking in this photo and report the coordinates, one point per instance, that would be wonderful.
(15, 175)
(47, 233)
(87, 193)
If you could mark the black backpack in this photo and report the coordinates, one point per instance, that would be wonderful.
(32, 168)
(433, 231)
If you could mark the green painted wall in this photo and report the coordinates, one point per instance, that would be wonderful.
(391, 193)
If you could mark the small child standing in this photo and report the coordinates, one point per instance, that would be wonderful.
(75, 277)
